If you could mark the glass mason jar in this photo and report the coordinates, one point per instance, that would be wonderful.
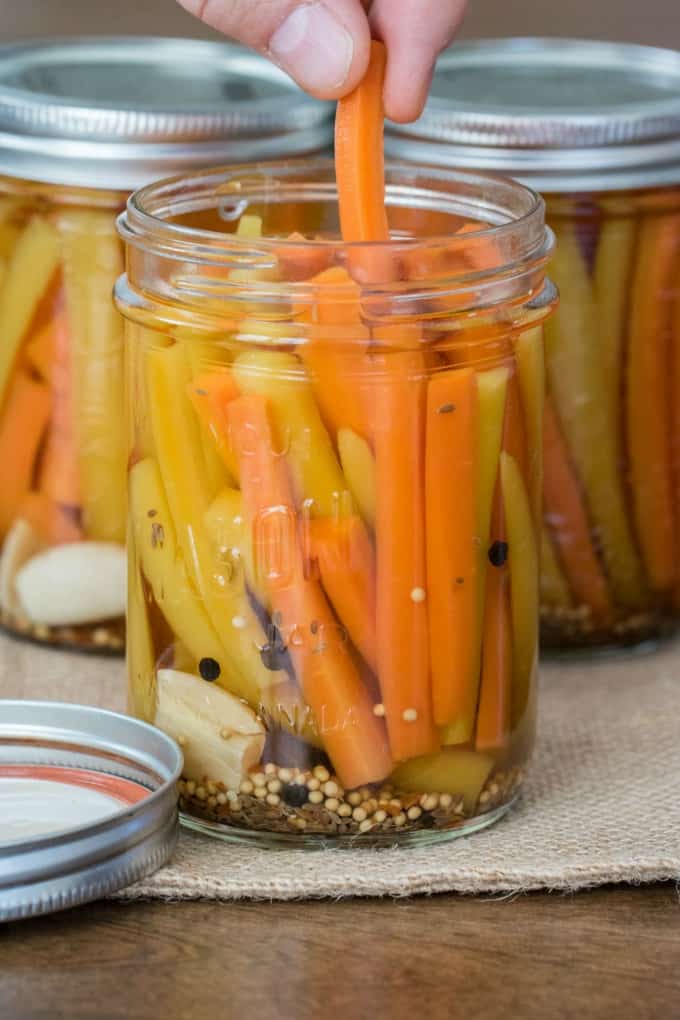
(67, 164)
(596, 129)
(334, 498)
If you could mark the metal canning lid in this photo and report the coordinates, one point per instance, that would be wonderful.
(88, 804)
(560, 114)
(118, 113)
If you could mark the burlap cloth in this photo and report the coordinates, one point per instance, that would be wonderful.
(602, 803)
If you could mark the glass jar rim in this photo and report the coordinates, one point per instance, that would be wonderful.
(146, 224)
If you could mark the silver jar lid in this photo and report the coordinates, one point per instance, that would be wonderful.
(560, 114)
(88, 802)
(119, 113)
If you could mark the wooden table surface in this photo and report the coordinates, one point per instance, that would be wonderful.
(604, 955)
(610, 954)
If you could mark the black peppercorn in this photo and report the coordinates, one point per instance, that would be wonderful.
(295, 794)
(209, 669)
(498, 554)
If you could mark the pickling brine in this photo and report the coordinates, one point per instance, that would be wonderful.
(334, 496)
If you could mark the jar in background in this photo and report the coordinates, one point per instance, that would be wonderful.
(81, 124)
(595, 127)
(334, 498)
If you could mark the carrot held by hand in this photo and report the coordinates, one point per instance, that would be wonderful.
(360, 171)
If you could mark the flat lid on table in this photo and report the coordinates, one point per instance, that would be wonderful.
(117, 113)
(554, 109)
(88, 804)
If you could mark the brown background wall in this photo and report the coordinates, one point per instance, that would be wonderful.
(649, 21)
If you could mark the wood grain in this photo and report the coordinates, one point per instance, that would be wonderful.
(607, 954)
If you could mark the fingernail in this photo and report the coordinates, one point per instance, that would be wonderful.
(314, 48)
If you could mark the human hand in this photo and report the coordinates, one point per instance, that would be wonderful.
(324, 44)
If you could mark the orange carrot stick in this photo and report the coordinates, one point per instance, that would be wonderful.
(51, 522)
(302, 261)
(402, 610)
(346, 562)
(59, 471)
(210, 393)
(352, 735)
(22, 426)
(360, 170)
(450, 486)
(648, 395)
(335, 354)
(568, 522)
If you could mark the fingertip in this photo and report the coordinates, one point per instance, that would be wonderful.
(406, 91)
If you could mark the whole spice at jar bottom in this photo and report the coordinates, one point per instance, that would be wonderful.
(300, 806)
(109, 637)
(561, 627)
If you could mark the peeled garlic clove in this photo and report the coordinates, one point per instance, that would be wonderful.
(77, 583)
(21, 543)
(220, 736)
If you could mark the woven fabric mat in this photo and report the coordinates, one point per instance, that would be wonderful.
(602, 803)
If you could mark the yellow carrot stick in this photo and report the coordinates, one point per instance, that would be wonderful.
(30, 268)
(298, 429)
(358, 465)
(92, 262)
(523, 560)
(178, 445)
(531, 374)
(585, 387)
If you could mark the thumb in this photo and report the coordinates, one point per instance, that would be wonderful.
(323, 44)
